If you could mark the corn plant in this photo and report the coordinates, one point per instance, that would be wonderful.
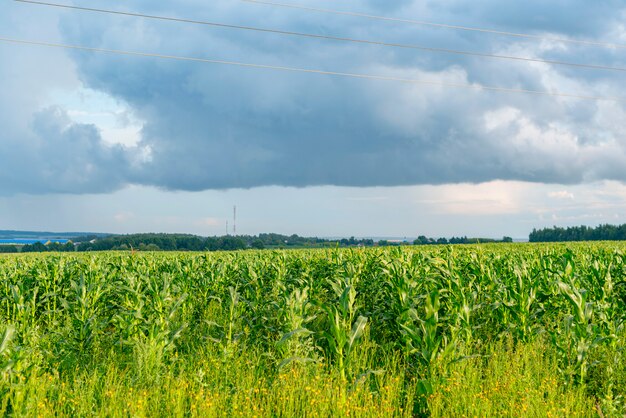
(579, 334)
(84, 305)
(295, 344)
(341, 329)
(228, 333)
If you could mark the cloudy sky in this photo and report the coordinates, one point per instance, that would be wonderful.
(102, 142)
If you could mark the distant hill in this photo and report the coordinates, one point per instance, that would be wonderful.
(10, 234)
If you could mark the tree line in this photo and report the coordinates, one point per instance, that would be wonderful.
(579, 233)
(422, 240)
(186, 242)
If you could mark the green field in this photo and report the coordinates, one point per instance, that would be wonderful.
(445, 331)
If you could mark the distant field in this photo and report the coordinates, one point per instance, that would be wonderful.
(441, 331)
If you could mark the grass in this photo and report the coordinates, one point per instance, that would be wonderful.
(520, 381)
(508, 383)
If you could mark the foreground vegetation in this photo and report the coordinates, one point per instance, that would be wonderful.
(490, 330)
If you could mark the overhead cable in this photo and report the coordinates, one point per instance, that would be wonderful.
(330, 37)
(317, 71)
(440, 25)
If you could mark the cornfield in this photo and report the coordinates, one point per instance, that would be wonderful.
(480, 330)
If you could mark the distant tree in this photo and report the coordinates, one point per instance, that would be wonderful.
(421, 240)
(579, 233)
(257, 244)
(149, 247)
(8, 249)
(229, 243)
(36, 247)
(58, 247)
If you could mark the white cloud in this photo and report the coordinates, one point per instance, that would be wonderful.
(115, 120)
(210, 222)
(561, 194)
(491, 198)
(124, 217)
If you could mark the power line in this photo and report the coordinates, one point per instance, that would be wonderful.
(329, 37)
(316, 71)
(439, 25)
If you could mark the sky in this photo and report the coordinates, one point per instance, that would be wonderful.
(109, 143)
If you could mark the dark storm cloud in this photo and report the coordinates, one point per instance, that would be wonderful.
(73, 158)
(62, 157)
(213, 127)
(570, 17)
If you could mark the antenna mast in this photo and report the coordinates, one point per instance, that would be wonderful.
(235, 220)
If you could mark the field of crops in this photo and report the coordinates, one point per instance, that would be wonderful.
(489, 330)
